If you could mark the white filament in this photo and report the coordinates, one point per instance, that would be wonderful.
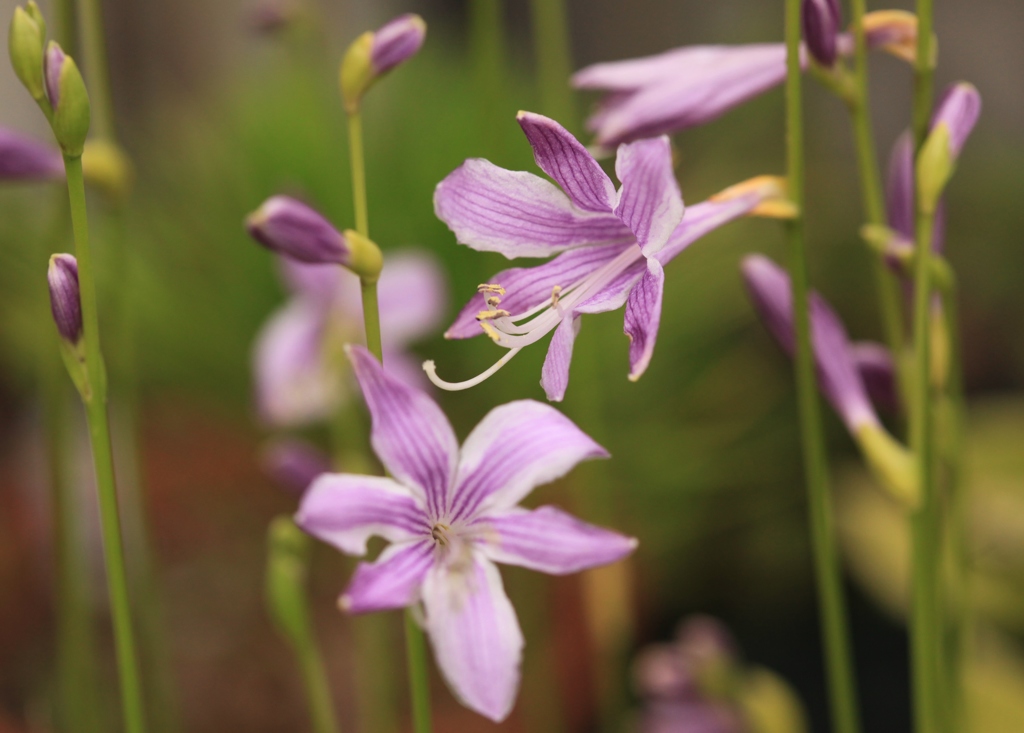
(431, 369)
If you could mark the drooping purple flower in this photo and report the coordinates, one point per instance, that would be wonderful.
(24, 159)
(692, 85)
(450, 514)
(878, 372)
(611, 245)
(958, 110)
(65, 297)
(838, 376)
(396, 41)
(290, 227)
(293, 464)
(821, 21)
(298, 364)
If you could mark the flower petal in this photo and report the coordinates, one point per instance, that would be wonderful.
(518, 214)
(475, 635)
(702, 218)
(550, 541)
(410, 434)
(393, 581)
(564, 158)
(632, 74)
(346, 509)
(412, 296)
(293, 384)
(516, 447)
(554, 376)
(526, 287)
(643, 315)
(649, 202)
(900, 204)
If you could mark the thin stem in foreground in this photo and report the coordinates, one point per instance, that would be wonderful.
(94, 48)
(419, 687)
(835, 634)
(99, 436)
(358, 166)
(318, 689)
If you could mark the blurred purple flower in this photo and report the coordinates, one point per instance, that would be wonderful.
(23, 158)
(290, 227)
(396, 41)
(613, 244)
(692, 85)
(298, 361)
(821, 20)
(65, 297)
(878, 372)
(958, 109)
(293, 464)
(450, 514)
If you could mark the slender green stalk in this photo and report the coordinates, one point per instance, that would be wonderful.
(94, 48)
(99, 434)
(835, 634)
(926, 617)
(419, 687)
(487, 56)
(371, 319)
(871, 185)
(358, 166)
(553, 59)
(318, 689)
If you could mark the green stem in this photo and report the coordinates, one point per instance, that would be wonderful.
(835, 635)
(371, 319)
(871, 186)
(94, 48)
(99, 434)
(419, 687)
(358, 166)
(924, 69)
(487, 57)
(553, 59)
(318, 689)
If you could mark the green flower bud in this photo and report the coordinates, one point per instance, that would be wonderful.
(935, 165)
(37, 15)
(357, 72)
(25, 39)
(69, 98)
(287, 556)
(365, 259)
(891, 463)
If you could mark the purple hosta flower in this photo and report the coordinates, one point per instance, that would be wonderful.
(839, 374)
(878, 372)
(24, 159)
(450, 514)
(396, 41)
(299, 366)
(292, 228)
(958, 112)
(821, 20)
(690, 86)
(293, 464)
(65, 297)
(613, 244)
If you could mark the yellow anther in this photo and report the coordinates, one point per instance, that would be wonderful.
(493, 301)
(490, 288)
(490, 331)
(488, 315)
(555, 292)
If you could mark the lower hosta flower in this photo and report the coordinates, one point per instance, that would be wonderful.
(23, 158)
(692, 85)
(298, 362)
(613, 243)
(450, 515)
(841, 368)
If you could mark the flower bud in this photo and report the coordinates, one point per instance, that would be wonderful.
(107, 167)
(891, 463)
(65, 298)
(954, 118)
(25, 159)
(878, 372)
(69, 99)
(375, 53)
(820, 20)
(25, 42)
(287, 557)
(288, 226)
(893, 31)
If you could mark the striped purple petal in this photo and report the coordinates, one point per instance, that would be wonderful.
(703, 218)
(517, 214)
(649, 202)
(396, 41)
(958, 109)
(526, 287)
(345, 510)
(554, 375)
(643, 315)
(410, 434)
(516, 447)
(564, 158)
(393, 581)
(550, 541)
(475, 635)
(878, 372)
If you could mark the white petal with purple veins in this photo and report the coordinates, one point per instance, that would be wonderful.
(554, 376)
(393, 581)
(649, 202)
(643, 315)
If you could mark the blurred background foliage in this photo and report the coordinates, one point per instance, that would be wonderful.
(706, 465)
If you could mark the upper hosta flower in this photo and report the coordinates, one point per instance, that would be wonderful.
(450, 514)
(820, 20)
(24, 159)
(689, 86)
(840, 376)
(299, 367)
(613, 243)
(375, 53)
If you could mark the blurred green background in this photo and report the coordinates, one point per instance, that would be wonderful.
(705, 467)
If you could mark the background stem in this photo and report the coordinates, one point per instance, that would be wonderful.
(835, 634)
(419, 687)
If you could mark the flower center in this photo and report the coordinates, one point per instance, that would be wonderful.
(442, 534)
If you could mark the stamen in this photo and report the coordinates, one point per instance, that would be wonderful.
(431, 369)
(490, 288)
(440, 534)
(555, 292)
(493, 301)
(488, 315)
(491, 331)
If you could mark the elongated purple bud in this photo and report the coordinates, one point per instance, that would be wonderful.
(288, 226)
(900, 204)
(951, 125)
(958, 109)
(821, 20)
(396, 41)
(53, 65)
(24, 159)
(293, 464)
(65, 297)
